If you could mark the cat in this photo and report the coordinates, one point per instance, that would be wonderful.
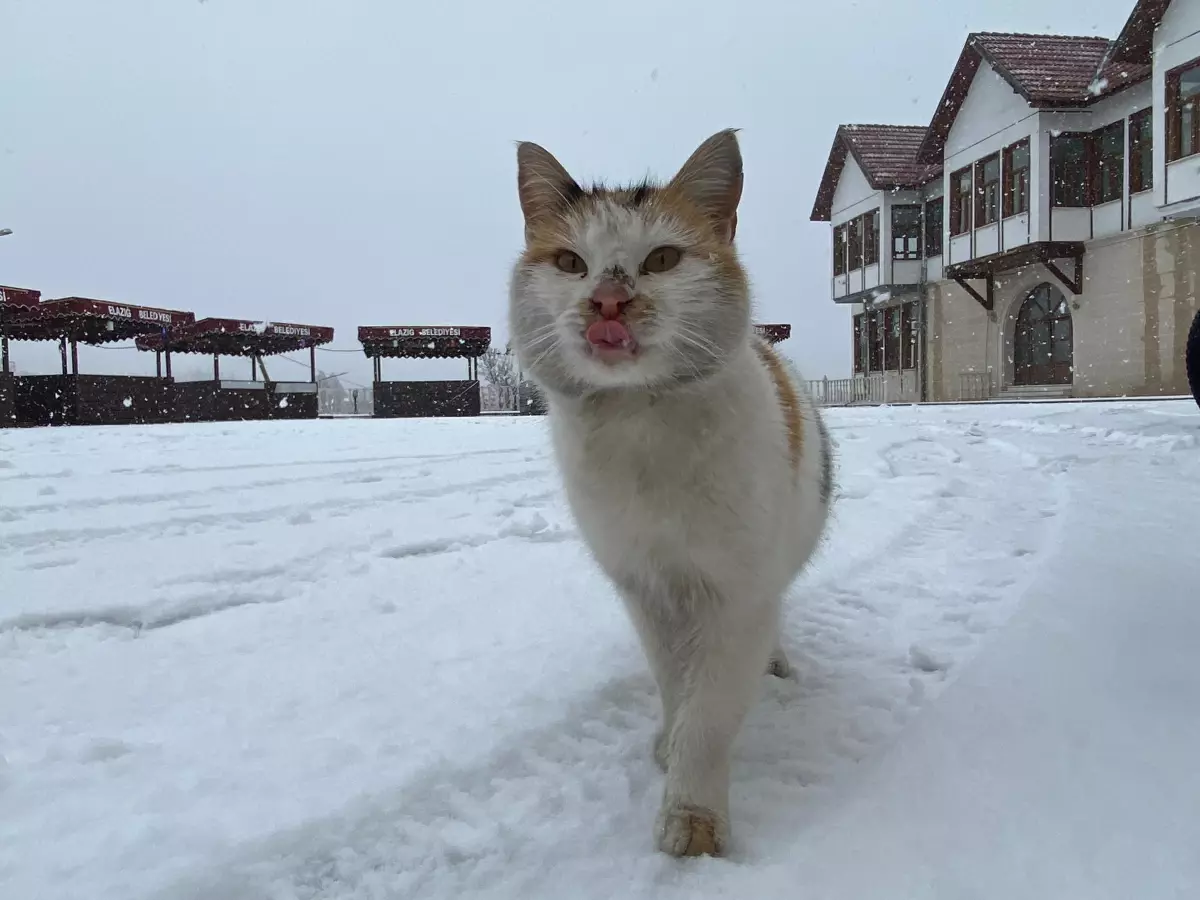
(696, 465)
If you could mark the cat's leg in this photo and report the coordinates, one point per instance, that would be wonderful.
(721, 668)
(656, 637)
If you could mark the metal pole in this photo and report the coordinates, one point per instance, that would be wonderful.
(253, 367)
(216, 367)
(168, 362)
(312, 363)
(62, 351)
(4, 354)
(74, 357)
(158, 363)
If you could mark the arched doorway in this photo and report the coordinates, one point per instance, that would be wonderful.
(1043, 344)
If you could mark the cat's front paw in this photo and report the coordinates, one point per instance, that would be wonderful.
(691, 831)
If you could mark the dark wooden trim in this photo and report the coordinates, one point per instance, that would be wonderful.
(1173, 152)
(987, 300)
(1016, 258)
(1075, 286)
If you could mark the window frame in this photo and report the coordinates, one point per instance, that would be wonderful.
(839, 252)
(987, 191)
(907, 254)
(854, 247)
(957, 198)
(875, 340)
(1009, 175)
(1139, 145)
(1174, 114)
(859, 356)
(908, 335)
(1085, 195)
(1098, 168)
(870, 237)
(933, 248)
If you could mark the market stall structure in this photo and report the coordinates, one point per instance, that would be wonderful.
(405, 399)
(226, 399)
(74, 398)
(773, 334)
(15, 304)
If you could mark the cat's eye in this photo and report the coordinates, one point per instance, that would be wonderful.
(570, 262)
(662, 259)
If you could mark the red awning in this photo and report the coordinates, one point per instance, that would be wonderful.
(90, 321)
(425, 341)
(238, 337)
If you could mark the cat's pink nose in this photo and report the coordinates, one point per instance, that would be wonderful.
(610, 298)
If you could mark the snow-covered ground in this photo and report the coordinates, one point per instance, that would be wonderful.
(358, 659)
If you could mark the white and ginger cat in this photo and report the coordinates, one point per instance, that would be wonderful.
(696, 465)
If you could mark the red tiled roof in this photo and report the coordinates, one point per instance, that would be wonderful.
(887, 155)
(1135, 43)
(1048, 70)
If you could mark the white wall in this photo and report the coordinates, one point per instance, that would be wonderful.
(991, 117)
(853, 195)
(990, 108)
(1176, 41)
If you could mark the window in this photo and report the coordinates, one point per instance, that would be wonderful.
(987, 190)
(893, 338)
(1016, 178)
(933, 226)
(854, 239)
(1183, 111)
(860, 356)
(839, 250)
(875, 354)
(1070, 156)
(960, 202)
(870, 232)
(1109, 173)
(1141, 156)
(906, 232)
(908, 328)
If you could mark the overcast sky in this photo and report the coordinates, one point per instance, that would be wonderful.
(351, 162)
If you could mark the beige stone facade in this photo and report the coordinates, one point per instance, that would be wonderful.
(1129, 326)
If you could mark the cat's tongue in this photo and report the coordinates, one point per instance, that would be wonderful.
(608, 334)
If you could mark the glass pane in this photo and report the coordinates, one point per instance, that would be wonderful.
(991, 169)
(1020, 157)
(1189, 83)
(1187, 128)
(1041, 339)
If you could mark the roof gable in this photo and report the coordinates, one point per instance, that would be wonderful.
(1135, 44)
(1047, 70)
(887, 155)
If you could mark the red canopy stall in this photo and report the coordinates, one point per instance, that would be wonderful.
(15, 303)
(402, 399)
(72, 398)
(225, 399)
(774, 333)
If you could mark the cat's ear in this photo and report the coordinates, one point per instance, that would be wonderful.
(711, 179)
(545, 187)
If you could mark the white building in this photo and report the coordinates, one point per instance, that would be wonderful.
(1039, 235)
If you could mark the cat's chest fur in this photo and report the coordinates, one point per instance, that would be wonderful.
(685, 479)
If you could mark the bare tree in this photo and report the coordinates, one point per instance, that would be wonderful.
(498, 367)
